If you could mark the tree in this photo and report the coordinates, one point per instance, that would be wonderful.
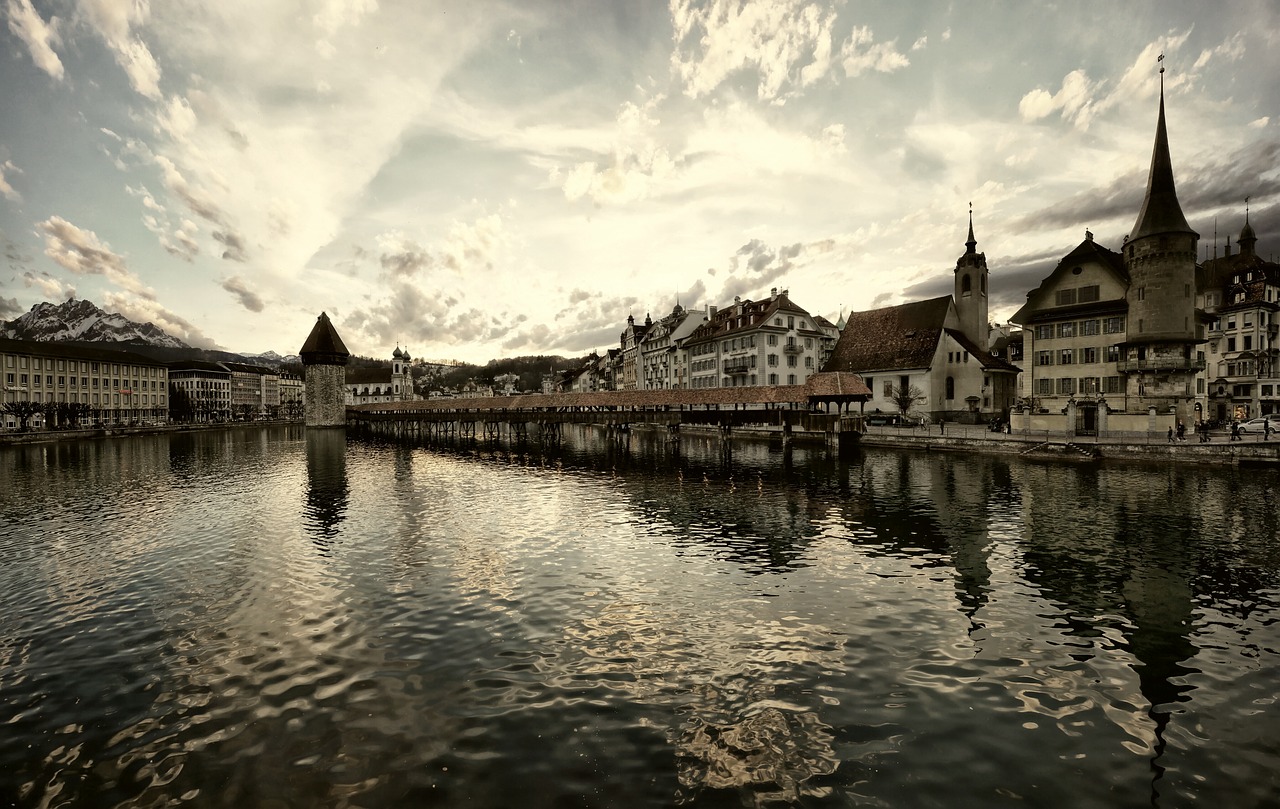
(905, 397)
(246, 411)
(22, 411)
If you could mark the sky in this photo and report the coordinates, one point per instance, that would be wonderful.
(473, 180)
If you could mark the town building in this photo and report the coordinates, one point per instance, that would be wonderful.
(1241, 297)
(1115, 340)
(116, 387)
(629, 352)
(206, 387)
(772, 341)
(255, 390)
(292, 395)
(662, 365)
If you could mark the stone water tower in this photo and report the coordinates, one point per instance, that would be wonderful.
(324, 357)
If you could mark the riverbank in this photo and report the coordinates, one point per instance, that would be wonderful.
(16, 438)
(1218, 451)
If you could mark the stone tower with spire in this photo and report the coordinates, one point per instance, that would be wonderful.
(1159, 356)
(324, 358)
(971, 290)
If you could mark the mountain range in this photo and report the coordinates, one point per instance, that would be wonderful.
(82, 321)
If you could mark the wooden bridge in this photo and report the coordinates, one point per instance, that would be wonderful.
(819, 407)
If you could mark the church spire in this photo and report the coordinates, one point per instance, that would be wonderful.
(972, 244)
(1160, 212)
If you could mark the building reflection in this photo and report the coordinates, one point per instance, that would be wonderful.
(327, 486)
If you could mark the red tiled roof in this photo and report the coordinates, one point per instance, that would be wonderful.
(892, 338)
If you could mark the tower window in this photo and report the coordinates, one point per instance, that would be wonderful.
(966, 286)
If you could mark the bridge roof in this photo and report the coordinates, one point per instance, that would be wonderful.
(819, 387)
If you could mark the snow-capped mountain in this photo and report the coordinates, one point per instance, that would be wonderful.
(271, 358)
(82, 320)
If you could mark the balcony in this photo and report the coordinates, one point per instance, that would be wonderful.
(793, 348)
(1126, 366)
(737, 365)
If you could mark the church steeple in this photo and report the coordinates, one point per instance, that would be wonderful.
(1248, 239)
(972, 244)
(970, 294)
(1160, 212)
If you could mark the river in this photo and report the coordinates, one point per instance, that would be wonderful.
(273, 617)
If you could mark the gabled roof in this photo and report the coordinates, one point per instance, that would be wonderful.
(1087, 251)
(892, 338)
(986, 359)
(755, 314)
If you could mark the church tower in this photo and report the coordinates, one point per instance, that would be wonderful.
(1159, 355)
(971, 290)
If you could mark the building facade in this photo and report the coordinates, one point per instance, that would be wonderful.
(206, 387)
(1115, 340)
(772, 341)
(1241, 297)
(116, 387)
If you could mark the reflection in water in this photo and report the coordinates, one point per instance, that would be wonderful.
(327, 487)
(601, 624)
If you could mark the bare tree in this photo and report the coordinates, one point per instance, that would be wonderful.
(23, 411)
(905, 397)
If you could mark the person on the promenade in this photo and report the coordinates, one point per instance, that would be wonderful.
(1182, 431)
(1170, 435)
(1203, 428)
(1266, 430)
(1235, 431)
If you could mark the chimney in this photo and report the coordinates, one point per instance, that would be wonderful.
(773, 294)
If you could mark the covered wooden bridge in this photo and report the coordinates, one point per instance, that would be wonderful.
(823, 405)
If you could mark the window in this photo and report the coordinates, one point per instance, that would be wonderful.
(1142, 293)
(1066, 329)
(773, 340)
(1044, 387)
(870, 383)
(888, 389)
(1231, 344)
(1089, 328)
(1088, 355)
(1248, 342)
(1089, 294)
(1066, 356)
(791, 360)
(791, 379)
(773, 360)
(773, 379)
(951, 388)
(1044, 332)
(1089, 385)
(1064, 297)
(1113, 325)
(1044, 358)
(1111, 384)
(1066, 386)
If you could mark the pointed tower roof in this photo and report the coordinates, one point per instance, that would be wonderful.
(1161, 212)
(323, 345)
(972, 243)
(1248, 239)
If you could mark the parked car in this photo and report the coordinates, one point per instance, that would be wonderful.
(1257, 425)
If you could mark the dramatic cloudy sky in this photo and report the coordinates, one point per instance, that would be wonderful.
(482, 179)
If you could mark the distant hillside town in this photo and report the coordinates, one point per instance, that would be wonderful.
(1143, 338)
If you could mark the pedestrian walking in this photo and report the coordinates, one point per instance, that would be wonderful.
(1266, 430)
(1170, 435)
(1182, 431)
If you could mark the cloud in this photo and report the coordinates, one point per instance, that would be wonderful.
(5, 188)
(146, 310)
(860, 53)
(247, 297)
(1080, 99)
(470, 247)
(200, 205)
(638, 164)
(755, 266)
(50, 288)
(786, 42)
(335, 15)
(114, 22)
(9, 308)
(1232, 50)
(81, 252)
(39, 37)
(233, 242)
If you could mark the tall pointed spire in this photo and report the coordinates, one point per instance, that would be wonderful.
(972, 244)
(1160, 212)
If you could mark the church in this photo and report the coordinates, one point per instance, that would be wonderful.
(391, 383)
(932, 355)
